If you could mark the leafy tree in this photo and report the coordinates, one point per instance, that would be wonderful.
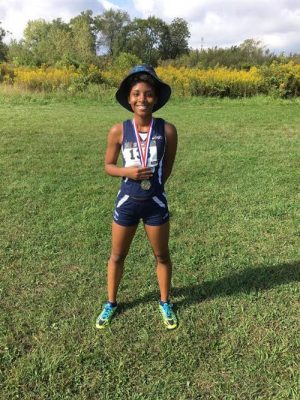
(35, 41)
(144, 38)
(3, 46)
(19, 54)
(126, 61)
(254, 51)
(84, 36)
(43, 42)
(179, 35)
(249, 53)
(60, 43)
(152, 39)
(57, 42)
(108, 26)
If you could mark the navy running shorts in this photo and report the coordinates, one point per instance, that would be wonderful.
(129, 210)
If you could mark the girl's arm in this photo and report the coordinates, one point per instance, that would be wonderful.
(114, 143)
(171, 148)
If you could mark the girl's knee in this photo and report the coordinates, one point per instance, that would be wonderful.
(117, 258)
(162, 258)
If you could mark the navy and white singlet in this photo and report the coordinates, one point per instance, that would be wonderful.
(134, 203)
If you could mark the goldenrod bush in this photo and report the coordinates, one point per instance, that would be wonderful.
(281, 80)
(213, 82)
(113, 77)
(46, 79)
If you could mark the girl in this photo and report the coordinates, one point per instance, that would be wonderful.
(148, 147)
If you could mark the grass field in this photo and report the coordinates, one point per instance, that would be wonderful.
(234, 201)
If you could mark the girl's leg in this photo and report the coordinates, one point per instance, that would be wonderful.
(121, 240)
(159, 240)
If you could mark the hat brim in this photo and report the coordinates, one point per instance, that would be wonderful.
(163, 91)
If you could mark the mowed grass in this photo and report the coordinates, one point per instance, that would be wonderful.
(234, 200)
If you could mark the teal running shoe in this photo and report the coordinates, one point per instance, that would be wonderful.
(169, 317)
(106, 315)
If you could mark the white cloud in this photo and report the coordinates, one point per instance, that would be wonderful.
(229, 22)
(107, 5)
(219, 22)
(14, 14)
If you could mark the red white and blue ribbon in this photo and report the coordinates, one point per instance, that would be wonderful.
(143, 150)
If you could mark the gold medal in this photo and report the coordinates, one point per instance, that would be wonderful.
(145, 184)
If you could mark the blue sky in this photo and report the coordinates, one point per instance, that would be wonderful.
(212, 23)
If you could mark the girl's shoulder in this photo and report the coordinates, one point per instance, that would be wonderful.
(115, 134)
(170, 130)
(116, 129)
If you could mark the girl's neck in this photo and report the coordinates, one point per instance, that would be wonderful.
(142, 124)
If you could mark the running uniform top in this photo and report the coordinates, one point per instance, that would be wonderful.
(155, 156)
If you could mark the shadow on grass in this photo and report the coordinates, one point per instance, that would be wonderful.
(246, 281)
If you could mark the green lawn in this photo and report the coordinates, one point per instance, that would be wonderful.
(234, 201)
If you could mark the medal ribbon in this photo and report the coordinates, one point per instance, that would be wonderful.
(143, 154)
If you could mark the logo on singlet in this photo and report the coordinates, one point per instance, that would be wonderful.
(158, 137)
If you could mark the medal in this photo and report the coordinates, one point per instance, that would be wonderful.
(145, 183)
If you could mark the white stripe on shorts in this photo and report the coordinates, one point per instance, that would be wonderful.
(122, 200)
(159, 202)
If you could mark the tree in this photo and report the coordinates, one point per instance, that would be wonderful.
(254, 51)
(108, 26)
(44, 42)
(152, 39)
(57, 42)
(125, 61)
(18, 54)
(3, 46)
(35, 40)
(60, 43)
(249, 53)
(84, 36)
(179, 35)
(144, 38)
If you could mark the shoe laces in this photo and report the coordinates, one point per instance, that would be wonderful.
(168, 309)
(106, 311)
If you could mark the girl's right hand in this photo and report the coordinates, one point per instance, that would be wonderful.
(138, 173)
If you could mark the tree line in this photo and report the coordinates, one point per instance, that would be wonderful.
(89, 39)
(104, 39)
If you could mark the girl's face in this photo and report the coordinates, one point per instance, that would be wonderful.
(142, 98)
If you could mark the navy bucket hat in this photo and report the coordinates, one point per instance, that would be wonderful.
(162, 89)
